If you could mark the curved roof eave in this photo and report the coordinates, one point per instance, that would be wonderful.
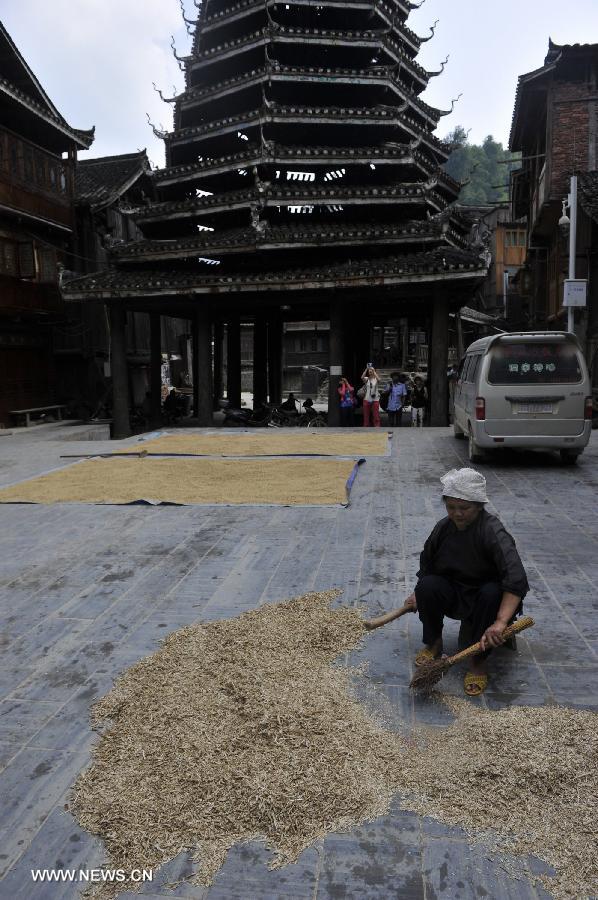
(523, 82)
(83, 138)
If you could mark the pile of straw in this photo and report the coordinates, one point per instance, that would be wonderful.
(245, 729)
(235, 730)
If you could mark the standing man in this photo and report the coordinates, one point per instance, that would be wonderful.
(397, 396)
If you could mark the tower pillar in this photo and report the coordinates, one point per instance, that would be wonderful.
(260, 361)
(233, 361)
(336, 360)
(121, 425)
(438, 362)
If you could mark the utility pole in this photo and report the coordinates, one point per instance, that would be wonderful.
(572, 246)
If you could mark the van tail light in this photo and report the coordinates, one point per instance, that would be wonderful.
(480, 409)
(589, 409)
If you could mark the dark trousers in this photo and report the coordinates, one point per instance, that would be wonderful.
(347, 417)
(438, 597)
(394, 418)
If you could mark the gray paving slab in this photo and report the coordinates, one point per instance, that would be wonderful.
(21, 719)
(33, 785)
(58, 844)
(86, 590)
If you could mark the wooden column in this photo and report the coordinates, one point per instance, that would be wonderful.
(202, 366)
(362, 345)
(438, 362)
(218, 338)
(121, 426)
(233, 361)
(459, 330)
(155, 368)
(336, 360)
(274, 360)
(260, 361)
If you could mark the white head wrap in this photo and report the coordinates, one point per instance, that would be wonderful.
(464, 484)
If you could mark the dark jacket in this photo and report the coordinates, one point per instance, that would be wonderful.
(489, 554)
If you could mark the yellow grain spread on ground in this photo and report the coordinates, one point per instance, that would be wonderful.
(269, 443)
(244, 728)
(188, 481)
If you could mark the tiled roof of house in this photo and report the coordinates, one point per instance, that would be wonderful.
(101, 181)
(476, 316)
(555, 55)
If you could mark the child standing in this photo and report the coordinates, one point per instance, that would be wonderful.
(346, 401)
(419, 400)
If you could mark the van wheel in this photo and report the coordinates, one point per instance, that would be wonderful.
(458, 432)
(569, 457)
(476, 454)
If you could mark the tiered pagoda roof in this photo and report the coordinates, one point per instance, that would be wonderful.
(301, 128)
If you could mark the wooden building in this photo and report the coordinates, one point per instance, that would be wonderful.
(303, 182)
(555, 127)
(506, 241)
(105, 188)
(38, 151)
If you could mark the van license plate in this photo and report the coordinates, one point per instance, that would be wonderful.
(534, 408)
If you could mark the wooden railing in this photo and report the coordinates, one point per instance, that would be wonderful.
(34, 181)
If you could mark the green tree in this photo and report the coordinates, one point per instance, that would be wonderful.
(485, 167)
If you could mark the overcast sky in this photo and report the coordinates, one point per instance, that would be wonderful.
(97, 59)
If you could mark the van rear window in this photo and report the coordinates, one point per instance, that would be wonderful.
(534, 363)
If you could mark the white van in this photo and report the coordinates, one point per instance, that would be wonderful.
(524, 389)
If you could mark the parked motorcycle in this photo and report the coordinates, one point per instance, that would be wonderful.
(304, 417)
(248, 418)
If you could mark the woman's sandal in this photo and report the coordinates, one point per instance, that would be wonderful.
(475, 685)
(427, 656)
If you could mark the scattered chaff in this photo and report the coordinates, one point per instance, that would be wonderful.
(523, 779)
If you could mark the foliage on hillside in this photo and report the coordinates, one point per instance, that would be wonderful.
(486, 167)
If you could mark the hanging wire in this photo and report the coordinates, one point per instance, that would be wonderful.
(46, 243)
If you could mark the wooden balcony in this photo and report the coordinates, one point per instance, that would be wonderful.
(18, 296)
(35, 182)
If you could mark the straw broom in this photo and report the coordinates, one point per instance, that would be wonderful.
(431, 673)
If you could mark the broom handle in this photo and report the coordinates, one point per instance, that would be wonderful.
(387, 617)
(517, 626)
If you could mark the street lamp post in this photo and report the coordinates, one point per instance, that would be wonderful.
(572, 246)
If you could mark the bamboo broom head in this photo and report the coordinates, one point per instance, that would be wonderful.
(429, 675)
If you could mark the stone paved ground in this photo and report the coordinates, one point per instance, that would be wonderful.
(87, 590)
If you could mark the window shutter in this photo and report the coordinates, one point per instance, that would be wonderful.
(47, 265)
(8, 258)
(26, 261)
